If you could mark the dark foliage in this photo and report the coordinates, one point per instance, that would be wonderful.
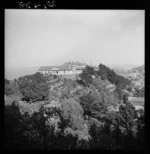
(7, 81)
(139, 92)
(14, 125)
(86, 75)
(140, 142)
(110, 130)
(103, 138)
(73, 112)
(93, 104)
(119, 130)
(33, 87)
(33, 132)
(11, 87)
(110, 75)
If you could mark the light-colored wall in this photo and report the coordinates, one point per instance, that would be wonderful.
(62, 72)
(139, 107)
(78, 71)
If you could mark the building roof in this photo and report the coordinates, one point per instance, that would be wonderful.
(45, 68)
(64, 67)
(136, 101)
(50, 68)
(80, 67)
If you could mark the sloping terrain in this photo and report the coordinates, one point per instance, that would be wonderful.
(137, 69)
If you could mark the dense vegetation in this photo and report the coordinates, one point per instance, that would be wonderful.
(33, 87)
(84, 120)
(106, 74)
(86, 75)
(110, 75)
(115, 131)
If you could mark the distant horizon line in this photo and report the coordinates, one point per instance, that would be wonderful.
(107, 64)
(96, 65)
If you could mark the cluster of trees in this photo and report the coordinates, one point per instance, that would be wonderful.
(36, 88)
(30, 87)
(84, 119)
(93, 104)
(33, 87)
(24, 131)
(87, 74)
(12, 92)
(139, 92)
(11, 87)
(116, 130)
(106, 73)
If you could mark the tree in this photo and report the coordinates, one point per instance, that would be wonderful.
(106, 73)
(11, 87)
(139, 92)
(7, 81)
(73, 111)
(119, 91)
(140, 136)
(24, 131)
(34, 87)
(14, 128)
(126, 117)
(102, 138)
(86, 75)
(129, 89)
(125, 98)
(93, 104)
(97, 82)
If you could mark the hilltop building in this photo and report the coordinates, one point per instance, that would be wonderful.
(137, 102)
(69, 68)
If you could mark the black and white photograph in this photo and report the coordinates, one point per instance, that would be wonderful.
(74, 79)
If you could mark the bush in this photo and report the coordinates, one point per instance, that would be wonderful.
(73, 111)
(110, 75)
(93, 104)
(11, 87)
(86, 75)
(34, 87)
(12, 98)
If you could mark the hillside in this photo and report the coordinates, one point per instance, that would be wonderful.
(106, 73)
(139, 69)
(55, 112)
(122, 70)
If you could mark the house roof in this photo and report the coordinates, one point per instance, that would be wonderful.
(50, 68)
(45, 68)
(80, 67)
(64, 67)
(136, 101)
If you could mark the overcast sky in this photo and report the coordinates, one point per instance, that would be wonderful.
(35, 38)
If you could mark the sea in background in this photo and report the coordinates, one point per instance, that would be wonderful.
(15, 73)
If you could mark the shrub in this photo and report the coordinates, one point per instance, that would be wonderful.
(34, 87)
